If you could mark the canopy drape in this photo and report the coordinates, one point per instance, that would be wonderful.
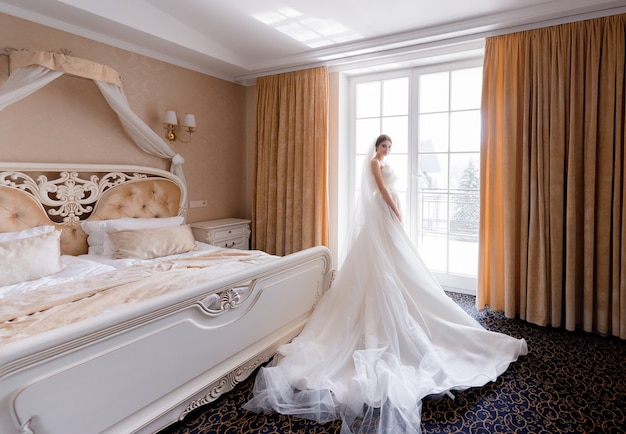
(32, 70)
(553, 187)
(290, 205)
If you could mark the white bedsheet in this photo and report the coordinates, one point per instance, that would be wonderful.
(83, 266)
(74, 268)
(52, 305)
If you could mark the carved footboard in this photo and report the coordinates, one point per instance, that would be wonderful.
(144, 367)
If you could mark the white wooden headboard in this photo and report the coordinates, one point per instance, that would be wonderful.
(64, 195)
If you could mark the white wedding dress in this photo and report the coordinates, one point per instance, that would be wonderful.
(383, 337)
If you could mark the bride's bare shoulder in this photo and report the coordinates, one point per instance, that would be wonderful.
(376, 163)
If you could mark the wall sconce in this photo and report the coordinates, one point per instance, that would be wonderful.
(170, 123)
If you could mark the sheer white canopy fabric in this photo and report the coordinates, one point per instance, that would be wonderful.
(24, 81)
(144, 136)
(32, 70)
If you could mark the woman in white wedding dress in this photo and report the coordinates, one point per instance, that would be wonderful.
(385, 335)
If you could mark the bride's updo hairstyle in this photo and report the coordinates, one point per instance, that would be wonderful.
(381, 139)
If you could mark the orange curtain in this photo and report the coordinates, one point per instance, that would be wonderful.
(290, 207)
(553, 188)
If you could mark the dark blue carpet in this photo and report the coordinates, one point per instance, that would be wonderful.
(570, 382)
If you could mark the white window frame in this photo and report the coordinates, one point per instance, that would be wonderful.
(346, 178)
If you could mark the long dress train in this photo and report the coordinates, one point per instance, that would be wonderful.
(383, 337)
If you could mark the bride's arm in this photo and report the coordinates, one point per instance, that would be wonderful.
(382, 187)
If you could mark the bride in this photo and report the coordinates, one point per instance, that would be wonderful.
(385, 335)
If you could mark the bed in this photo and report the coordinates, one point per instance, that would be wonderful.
(136, 339)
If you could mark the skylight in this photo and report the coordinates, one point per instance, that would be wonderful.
(314, 32)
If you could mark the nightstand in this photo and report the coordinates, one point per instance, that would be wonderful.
(230, 232)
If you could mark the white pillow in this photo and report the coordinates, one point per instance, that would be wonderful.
(30, 232)
(99, 242)
(30, 258)
(152, 243)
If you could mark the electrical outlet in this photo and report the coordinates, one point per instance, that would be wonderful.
(197, 203)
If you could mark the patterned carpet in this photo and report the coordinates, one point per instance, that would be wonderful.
(570, 382)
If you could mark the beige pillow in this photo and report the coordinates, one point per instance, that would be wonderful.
(98, 240)
(152, 243)
(30, 258)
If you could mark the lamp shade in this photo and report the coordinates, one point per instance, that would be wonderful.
(169, 117)
(189, 120)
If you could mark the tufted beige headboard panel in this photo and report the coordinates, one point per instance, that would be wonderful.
(65, 203)
(19, 210)
(140, 199)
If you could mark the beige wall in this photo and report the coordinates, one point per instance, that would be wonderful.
(69, 120)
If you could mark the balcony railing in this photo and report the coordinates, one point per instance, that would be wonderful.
(455, 213)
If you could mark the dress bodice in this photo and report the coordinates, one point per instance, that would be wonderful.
(389, 176)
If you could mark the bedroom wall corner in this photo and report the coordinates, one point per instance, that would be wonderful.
(68, 121)
(250, 146)
(335, 163)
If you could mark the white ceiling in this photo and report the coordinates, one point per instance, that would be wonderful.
(238, 40)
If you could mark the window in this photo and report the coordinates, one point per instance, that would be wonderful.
(433, 118)
(383, 106)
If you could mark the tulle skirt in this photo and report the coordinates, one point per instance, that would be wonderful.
(383, 337)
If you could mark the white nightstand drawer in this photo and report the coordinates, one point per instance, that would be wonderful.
(241, 243)
(230, 232)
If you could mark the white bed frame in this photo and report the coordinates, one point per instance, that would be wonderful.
(146, 365)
